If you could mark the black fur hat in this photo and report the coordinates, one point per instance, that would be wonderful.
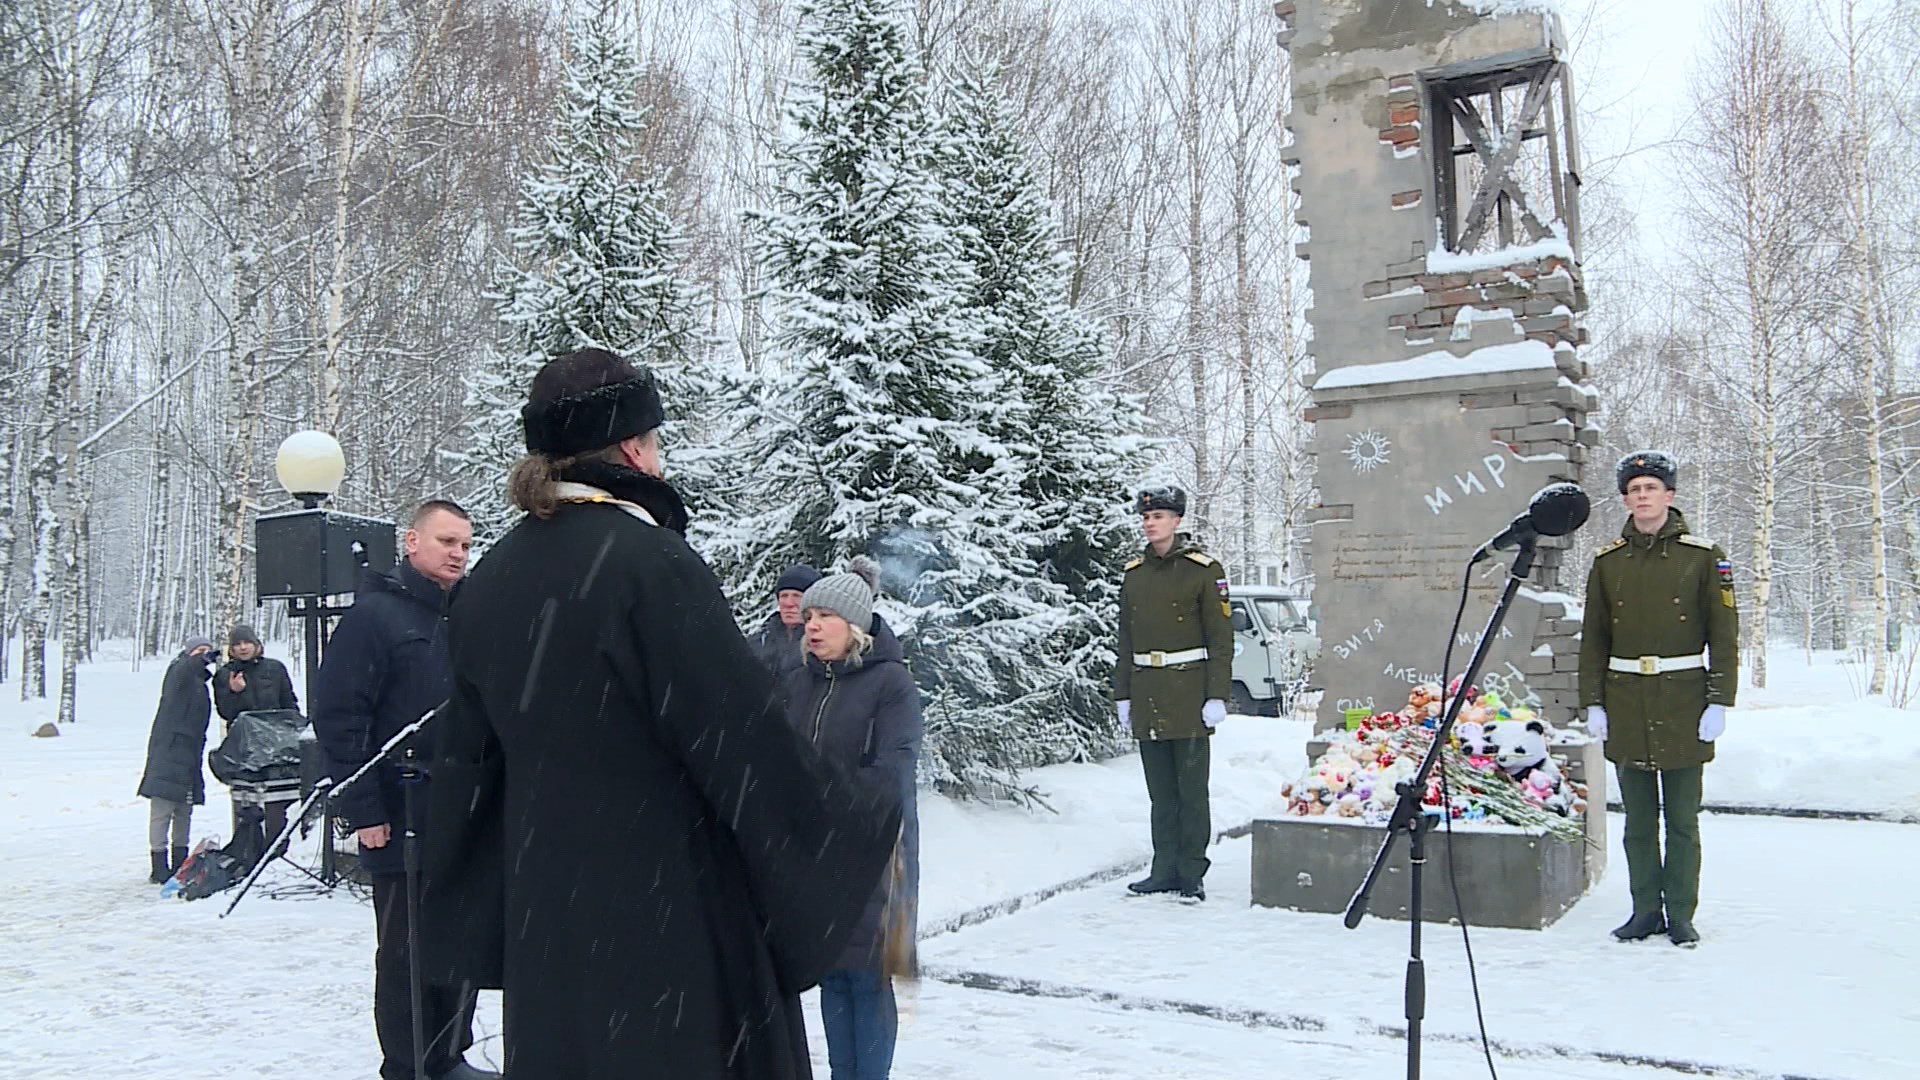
(1655, 463)
(588, 400)
(1161, 498)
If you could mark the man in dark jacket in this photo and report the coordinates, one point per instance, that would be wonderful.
(1171, 679)
(253, 682)
(631, 840)
(1659, 666)
(173, 783)
(778, 639)
(856, 701)
(384, 668)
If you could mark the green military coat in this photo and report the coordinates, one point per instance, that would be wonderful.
(1170, 604)
(1669, 594)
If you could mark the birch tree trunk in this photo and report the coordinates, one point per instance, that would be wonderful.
(1827, 568)
(249, 99)
(1246, 125)
(1867, 341)
(1194, 339)
(358, 35)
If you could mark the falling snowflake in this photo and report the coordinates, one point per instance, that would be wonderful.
(1368, 450)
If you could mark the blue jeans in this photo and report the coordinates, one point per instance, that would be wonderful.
(857, 1009)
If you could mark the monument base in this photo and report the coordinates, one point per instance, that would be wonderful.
(1507, 877)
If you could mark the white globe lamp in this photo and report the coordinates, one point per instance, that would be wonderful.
(310, 466)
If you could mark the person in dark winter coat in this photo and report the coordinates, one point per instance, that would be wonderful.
(855, 700)
(628, 838)
(778, 641)
(385, 667)
(173, 783)
(253, 682)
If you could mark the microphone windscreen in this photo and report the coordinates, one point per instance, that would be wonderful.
(1558, 509)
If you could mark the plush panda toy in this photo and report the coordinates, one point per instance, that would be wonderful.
(1520, 748)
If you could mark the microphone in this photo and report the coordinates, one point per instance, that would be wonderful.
(1554, 510)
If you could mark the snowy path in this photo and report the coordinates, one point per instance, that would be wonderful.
(1805, 968)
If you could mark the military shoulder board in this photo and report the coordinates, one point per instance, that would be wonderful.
(1696, 541)
(1201, 558)
(1618, 542)
(1136, 561)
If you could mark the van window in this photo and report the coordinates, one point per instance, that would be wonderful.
(1280, 614)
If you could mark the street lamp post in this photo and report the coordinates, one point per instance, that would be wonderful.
(313, 558)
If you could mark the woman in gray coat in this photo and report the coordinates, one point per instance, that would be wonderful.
(857, 702)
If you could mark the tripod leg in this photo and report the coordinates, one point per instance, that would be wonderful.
(411, 855)
(1416, 968)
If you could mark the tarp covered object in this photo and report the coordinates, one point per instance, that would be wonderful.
(260, 746)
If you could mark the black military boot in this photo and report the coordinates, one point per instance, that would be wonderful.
(1682, 933)
(161, 872)
(1147, 886)
(1640, 927)
(1194, 891)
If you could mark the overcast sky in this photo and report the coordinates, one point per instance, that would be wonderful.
(1633, 62)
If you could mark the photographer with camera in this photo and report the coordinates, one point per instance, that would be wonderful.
(253, 682)
(173, 783)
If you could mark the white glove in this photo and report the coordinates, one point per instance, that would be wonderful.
(1713, 723)
(1597, 721)
(1213, 712)
(1125, 708)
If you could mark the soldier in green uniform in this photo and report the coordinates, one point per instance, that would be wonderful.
(1659, 663)
(1171, 677)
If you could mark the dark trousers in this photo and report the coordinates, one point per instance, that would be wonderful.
(448, 1012)
(1672, 881)
(859, 1013)
(1177, 771)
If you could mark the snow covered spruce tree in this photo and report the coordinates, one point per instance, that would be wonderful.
(597, 263)
(1080, 440)
(884, 430)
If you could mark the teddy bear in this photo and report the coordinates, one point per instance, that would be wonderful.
(1424, 700)
(1471, 737)
(1520, 748)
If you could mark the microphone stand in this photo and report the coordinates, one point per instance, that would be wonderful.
(1408, 818)
(410, 776)
(323, 793)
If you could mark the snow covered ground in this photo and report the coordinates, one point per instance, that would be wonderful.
(1805, 969)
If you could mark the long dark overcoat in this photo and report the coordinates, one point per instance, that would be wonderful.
(179, 736)
(627, 835)
(866, 715)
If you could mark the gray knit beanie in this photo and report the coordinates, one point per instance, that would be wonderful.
(848, 594)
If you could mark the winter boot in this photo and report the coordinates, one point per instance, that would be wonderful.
(179, 856)
(1193, 891)
(1640, 927)
(1682, 933)
(161, 871)
(1148, 885)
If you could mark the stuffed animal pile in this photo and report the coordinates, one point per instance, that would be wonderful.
(1499, 767)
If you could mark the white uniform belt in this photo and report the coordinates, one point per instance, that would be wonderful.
(1655, 665)
(1162, 659)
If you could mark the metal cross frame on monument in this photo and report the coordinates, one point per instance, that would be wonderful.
(1491, 134)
